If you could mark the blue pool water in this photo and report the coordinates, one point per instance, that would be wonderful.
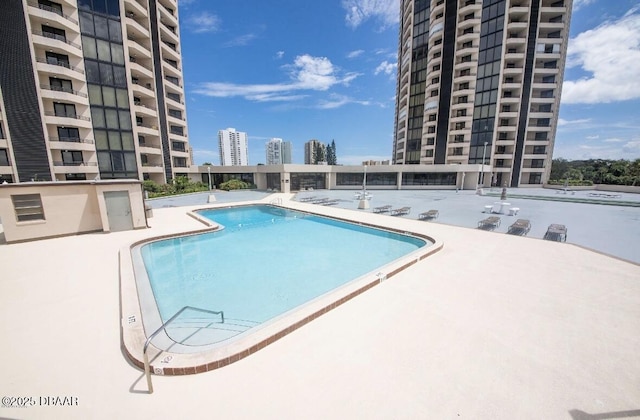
(265, 262)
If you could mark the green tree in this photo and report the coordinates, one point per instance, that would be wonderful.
(634, 172)
(573, 174)
(331, 153)
(319, 153)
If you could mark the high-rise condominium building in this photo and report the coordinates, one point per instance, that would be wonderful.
(311, 149)
(278, 151)
(233, 147)
(481, 78)
(91, 89)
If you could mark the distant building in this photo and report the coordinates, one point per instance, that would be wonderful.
(311, 148)
(286, 151)
(233, 147)
(278, 151)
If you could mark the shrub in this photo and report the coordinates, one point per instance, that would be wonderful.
(234, 184)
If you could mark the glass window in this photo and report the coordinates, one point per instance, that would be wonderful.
(104, 51)
(92, 72)
(125, 120)
(86, 22)
(95, 95)
(119, 76)
(101, 139)
(111, 116)
(106, 74)
(123, 98)
(115, 31)
(104, 161)
(101, 26)
(118, 161)
(127, 140)
(109, 96)
(113, 7)
(114, 140)
(97, 117)
(89, 47)
(130, 162)
(117, 54)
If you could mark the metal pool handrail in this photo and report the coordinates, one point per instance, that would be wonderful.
(147, 372)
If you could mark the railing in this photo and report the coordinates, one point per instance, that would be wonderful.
(59, 63)
(51, 9)
(71, 140)
(63, 89)
(72, 163)
(75, 116)
(57, 37)
(147, 372)
(172, 63)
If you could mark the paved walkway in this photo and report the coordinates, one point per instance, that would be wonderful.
(491, 327)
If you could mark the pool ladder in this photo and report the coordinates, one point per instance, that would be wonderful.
(147, 371)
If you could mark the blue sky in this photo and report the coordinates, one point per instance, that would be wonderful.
(299, 70)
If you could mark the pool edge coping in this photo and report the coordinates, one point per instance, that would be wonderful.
(133, 335)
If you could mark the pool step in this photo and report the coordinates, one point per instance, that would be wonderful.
(202, 331)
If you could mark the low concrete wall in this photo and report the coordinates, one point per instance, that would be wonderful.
(598, 187)
(69, 208)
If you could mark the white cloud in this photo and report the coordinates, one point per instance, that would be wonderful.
(386, 68)
(241, 40)
(613, 148)
(354, 54)
(306, 73)
(609, 53)
(337, 101)
(203, 22)
(358, 11)
(562, 122)
(577, 4)
(279, 54)
(595, 137)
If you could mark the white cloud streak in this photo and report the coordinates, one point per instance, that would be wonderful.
(338, 101)
(241, 40)
(358, 11)
(609, 53)
(306, 73)
(203, 22)
(386, 68)
(356, 53)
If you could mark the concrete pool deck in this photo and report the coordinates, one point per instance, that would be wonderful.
(493, 326)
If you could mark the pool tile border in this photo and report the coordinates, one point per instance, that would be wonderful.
(133, 334)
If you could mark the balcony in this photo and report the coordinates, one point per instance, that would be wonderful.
(63, 90)
(49, 9)
(136, 47)
(71, 143)
(60, 67)
(58, 38)
(66, 115)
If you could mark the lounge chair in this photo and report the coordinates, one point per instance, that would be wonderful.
(520, 227)
(401, 211)
(382, 209)
(429, 215)
(490, 223)
(330, 202)
(556, 233)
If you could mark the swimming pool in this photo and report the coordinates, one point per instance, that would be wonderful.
(267, 262)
